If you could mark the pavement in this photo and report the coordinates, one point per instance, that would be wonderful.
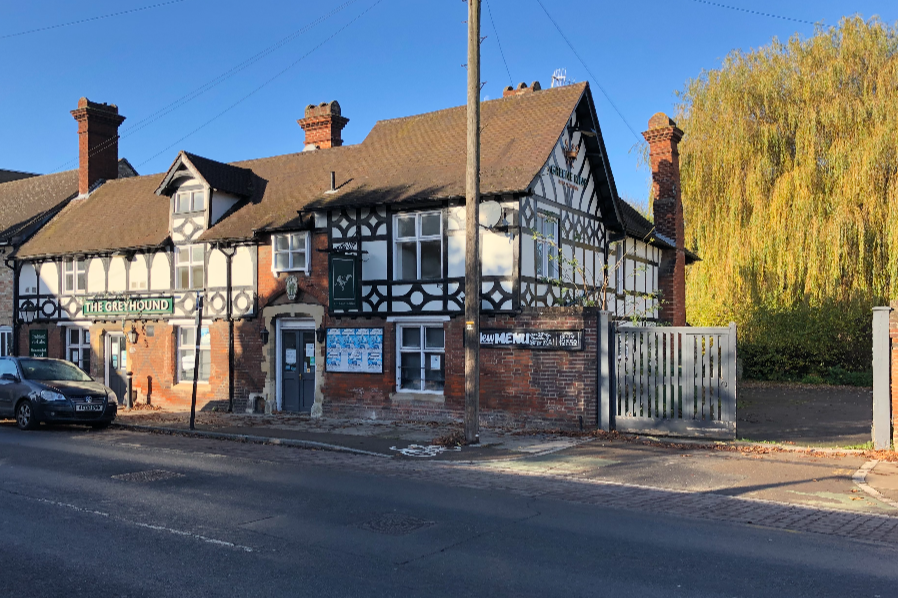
(853, 481)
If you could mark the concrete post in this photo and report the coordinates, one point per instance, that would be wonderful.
(882, 400)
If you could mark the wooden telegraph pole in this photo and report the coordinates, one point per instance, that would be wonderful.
(472, 232)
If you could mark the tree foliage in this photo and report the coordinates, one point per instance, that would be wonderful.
(790, 195)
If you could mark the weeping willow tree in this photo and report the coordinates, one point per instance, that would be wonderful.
(791, 196)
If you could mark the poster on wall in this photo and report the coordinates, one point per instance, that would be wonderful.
(37, 342)
(357, 350)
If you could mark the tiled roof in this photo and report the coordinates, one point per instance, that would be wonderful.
(224, 177)
(26, 202)
(13, 175)
(401, 160)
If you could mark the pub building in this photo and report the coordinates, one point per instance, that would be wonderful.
(331, 280)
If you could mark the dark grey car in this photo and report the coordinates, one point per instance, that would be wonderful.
(39, 389)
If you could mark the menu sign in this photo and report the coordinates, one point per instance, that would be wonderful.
(558, 340)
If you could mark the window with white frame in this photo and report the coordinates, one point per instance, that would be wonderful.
(291, 252)
(190, 201)
(187, 354)
(546, 246)
(189, 266)
(78, 347)
(5, 341)
(422, 358)
(74, 276)
(419, 246)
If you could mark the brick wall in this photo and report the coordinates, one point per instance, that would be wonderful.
(518, 387)
(6, 288)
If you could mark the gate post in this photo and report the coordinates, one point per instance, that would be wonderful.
(882, 400)
(605, 355)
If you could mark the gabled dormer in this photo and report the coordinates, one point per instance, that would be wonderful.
(200, 192)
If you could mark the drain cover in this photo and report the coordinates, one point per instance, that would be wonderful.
(395, 525)
(153, 475)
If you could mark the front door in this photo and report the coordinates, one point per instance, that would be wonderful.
(117, 365)
(297, 370)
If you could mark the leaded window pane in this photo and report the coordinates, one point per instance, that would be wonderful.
(281, 243)
(430, 225)
(281, 261)
(406, 226)
(411, 338)
(197, 275)
(434, 338)
(199, 203)
(410, 371)
(408, 261)
(431, 260)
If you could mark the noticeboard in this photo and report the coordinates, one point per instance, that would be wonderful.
(37, 342)
(345, 292)
(358, 350)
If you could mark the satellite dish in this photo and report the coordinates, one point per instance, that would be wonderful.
(490, 213)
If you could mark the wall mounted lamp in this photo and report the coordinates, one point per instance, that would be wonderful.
(321, 334)
(264, 336)
(28, 312)
(132, 335)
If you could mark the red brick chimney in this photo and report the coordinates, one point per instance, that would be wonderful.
(521, 89)
(323, 125)
(663, 138)
(97, 142)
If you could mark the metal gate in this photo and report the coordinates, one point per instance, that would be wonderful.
(673, 380)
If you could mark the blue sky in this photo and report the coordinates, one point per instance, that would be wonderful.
(401, 57)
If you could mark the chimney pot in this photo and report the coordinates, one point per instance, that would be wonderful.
(521, 89)
(97, 142)
(323, 124)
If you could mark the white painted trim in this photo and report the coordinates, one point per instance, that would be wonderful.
(419, 321)
(423, 319)
(187, 322)
(75, 324)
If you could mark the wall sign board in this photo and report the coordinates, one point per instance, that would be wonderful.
(37, 342)
(345, 292)
(557, 340)
(122, 306)
(359, 350)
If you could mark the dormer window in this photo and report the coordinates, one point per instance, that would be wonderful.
(190, 201)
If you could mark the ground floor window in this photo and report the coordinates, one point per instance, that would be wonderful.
(422, 363)
(187, 354)
(5, 341)
(78, 347)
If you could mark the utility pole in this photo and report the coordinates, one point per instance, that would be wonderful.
(196, 356)
(472, 232)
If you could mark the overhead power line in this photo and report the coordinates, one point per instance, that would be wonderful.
(490, 10)
(211, 84)
(592, 76)
(262, 86)
(78, 22)
(753, 12)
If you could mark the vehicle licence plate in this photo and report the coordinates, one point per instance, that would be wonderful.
(88, 407)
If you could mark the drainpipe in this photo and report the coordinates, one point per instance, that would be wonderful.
(229, 256)
(12, 265)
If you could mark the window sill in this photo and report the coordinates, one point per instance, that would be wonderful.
(188, 385)
(425, 397)
(291, 271)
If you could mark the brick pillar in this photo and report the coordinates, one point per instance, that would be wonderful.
(663, 138)
(323, 124)
(97, 142)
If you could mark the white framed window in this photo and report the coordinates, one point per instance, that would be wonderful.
(77, 347)
(546, 246)
(74, 276)
(187, 354)
(190, 201)
(5, 341)
(422, 358)
(419, 246)
(290, 252)
(189, 266)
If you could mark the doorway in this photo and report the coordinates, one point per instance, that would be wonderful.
(117, 365)
(297, 370)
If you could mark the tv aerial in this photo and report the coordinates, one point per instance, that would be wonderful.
(559, 78)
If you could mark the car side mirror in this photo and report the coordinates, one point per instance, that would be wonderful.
(10, 378)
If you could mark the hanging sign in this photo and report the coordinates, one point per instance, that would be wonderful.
(558, 340)
(37, 342)
(344, 283)
(355, 350)
(128, 306)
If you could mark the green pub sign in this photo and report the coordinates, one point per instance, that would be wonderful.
(344, 283)
(37, 342)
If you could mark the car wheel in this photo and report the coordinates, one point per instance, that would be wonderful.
(25, 418)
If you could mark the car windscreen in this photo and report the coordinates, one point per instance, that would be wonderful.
(52, 369)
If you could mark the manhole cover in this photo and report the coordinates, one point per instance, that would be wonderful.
(153, 475)
(395, 525)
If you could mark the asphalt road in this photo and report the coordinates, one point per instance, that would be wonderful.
(95, 514)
